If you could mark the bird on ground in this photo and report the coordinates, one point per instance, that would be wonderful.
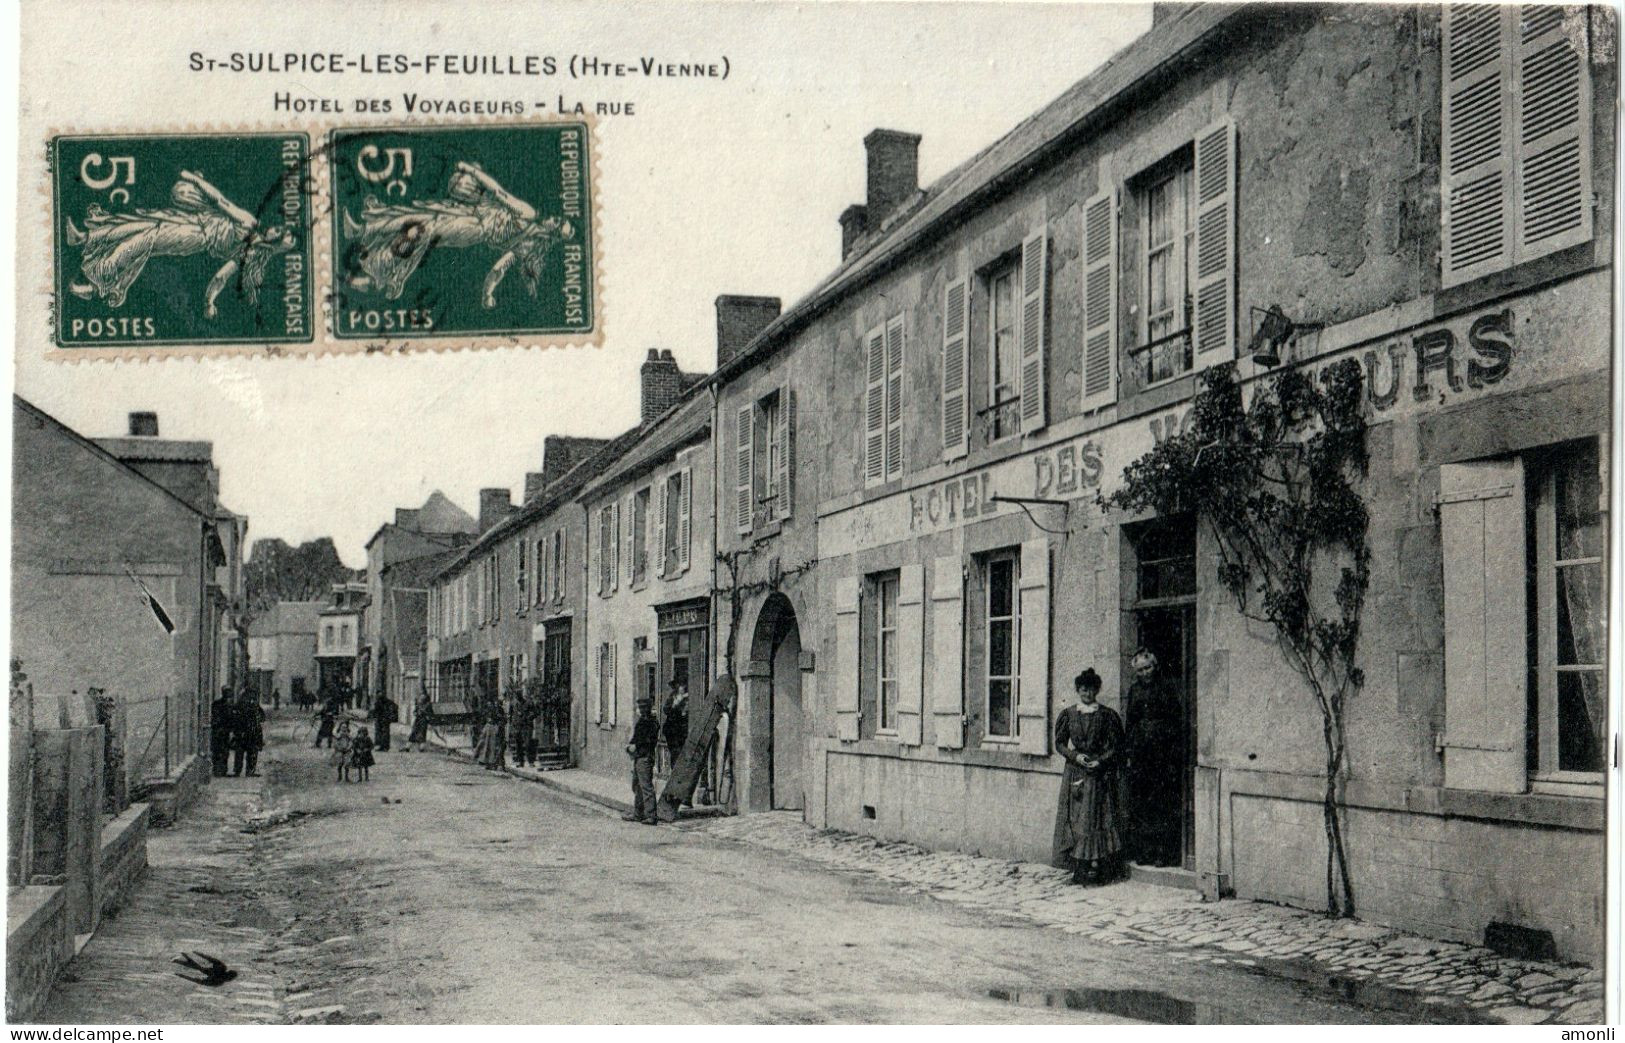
(215, 973)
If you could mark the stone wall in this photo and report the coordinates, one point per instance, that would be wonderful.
(39, 943)
(123, 855)
(67, 818)
(169, 797)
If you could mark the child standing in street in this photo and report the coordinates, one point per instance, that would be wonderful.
(340, 756)
(361, 753)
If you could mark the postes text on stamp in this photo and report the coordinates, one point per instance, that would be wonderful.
(470, 231)
(181, 239)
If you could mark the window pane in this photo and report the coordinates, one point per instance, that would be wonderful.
(1579, 615)
(888, 602)
(998, 708)
(1157, 283)
(888, 654)
(998, 649)
(1581, 699)
(888, 705)
(1161, 216)
(999, 575)
(1579, 492)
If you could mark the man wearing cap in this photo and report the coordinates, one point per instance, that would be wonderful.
(1155, 733)
(645, 739)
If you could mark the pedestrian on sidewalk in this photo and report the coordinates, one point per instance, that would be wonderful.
(384, 714)
(220, 715)
(1088, 830)
(325, 720)
(524, 726)
(645, 739)
(361, 753)
(675, 727)
(488, 750)
(247, 736)
(340, 757)
(422, 710)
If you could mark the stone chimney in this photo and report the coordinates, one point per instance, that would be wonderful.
(534, 483)
(894, 173)
(739, 320)
(854, 222)
(143, 425)
(662, 384)
(495, 505)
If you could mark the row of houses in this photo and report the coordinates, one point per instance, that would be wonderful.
(879, 515)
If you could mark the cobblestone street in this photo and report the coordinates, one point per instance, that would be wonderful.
(441, 893)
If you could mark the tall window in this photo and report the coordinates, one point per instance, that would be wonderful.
(1004, 353)
(640, 535)
(768, 431)
(542, 564)
(674, 524)
(885, 590)
(1003, 658)
(558, 565)
(1166, 212)
(1568, 530)
(519, 577)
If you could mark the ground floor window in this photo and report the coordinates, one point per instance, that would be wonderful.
(879, 663)
(1001, 632)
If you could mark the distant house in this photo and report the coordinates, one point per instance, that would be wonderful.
(282, 651)
(338, 640)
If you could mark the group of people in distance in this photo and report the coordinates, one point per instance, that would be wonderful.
(353, 750)
(1122, 784)
(236, 734)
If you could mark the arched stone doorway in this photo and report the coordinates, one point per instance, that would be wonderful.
(778, 723)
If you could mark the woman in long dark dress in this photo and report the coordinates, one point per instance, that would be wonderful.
(1088, 835)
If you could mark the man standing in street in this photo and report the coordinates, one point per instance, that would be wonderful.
(645, 739)
(522, 723)
(247, 736)
(220, 728)
(384, 714)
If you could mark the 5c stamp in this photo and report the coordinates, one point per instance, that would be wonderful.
(477, 232)
(181, 239)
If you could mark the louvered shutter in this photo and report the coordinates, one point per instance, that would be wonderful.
(1034, 273)
(1100, 300)
(1481, 528)
(614, 685)
(596, 681)
(1476, 167)
(846, 659)
(787, 453)
(595, 543)
(1032, 698)
(615, 546)
(1215, 294)
(564, 560)
(539, 595)
(685, 519)
(874, 408)
(744, 476)
(659, 551)
(955, 345)
(1552, 102)
(947, 651)
(894, 397)
(629, 522)
(910, 654)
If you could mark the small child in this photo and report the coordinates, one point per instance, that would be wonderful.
(361, 753)
(340, 756)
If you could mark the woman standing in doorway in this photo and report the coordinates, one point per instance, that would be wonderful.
(1088, 835)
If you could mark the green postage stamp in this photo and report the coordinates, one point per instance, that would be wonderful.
(481, 232)
(181, 239)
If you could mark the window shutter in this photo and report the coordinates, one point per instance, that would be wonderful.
(660, 528)
(787, 452)
(629, 521)
(596, 542)
(564, 564)
(955, 346)
(539, 594)
(614, 685)
(744, 471)
(596, 685)
(910, 654)
(1100, 300)
(1481, 527)
(947, 651)
(685, 519)
(1552, 102)
(874, 426)
(614, 546)
(846, 658)
(894, 397)
(1032, 697)
(1476, 168)
(1215, 318)
(1034, 265)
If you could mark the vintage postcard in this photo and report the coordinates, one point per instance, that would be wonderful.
(781, 513)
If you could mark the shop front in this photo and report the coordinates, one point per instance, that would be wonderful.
(678, 663)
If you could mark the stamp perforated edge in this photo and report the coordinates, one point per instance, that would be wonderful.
(320, 204)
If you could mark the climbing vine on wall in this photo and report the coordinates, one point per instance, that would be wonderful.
(1274, 481)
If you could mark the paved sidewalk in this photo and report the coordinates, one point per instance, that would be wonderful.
(1275, 940)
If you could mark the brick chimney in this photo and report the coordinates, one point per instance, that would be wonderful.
(662, 384)
(894, 173)
(143, 425)
(739, 320)
(854, 222)
(495, 505)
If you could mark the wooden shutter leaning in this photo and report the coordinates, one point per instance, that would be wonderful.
(1214, 321)
(1034, 273)
(659, 550)
(1551, 91)
(744, 472)
(787, 453)
(947, 651)
(910, 654)
(685, 519)
(1476, 167)
(894, 397)
(1100, 300)
(1032, 697)
(846, 659)
(874, 408)
(1481, 529)
(955, 347)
